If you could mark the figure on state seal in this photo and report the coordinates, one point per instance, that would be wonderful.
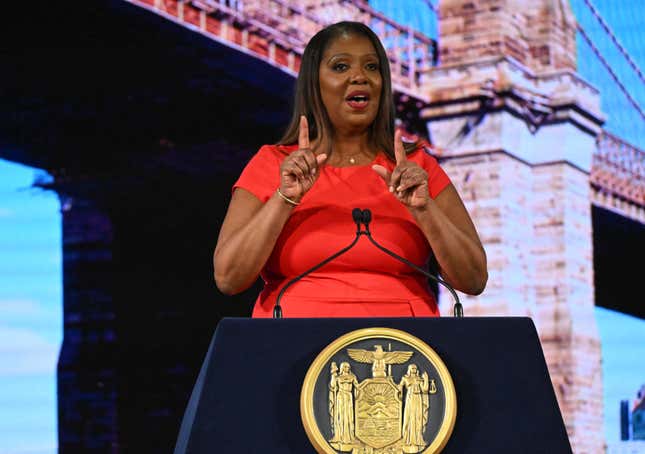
(342, 391)
(415, 409)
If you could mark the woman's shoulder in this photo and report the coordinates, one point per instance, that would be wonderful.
(272, 153)
(427, 157)
(278, 149)
(424, 153)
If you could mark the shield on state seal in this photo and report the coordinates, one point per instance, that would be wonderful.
(378, 412)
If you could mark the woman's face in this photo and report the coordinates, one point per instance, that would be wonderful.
(350, 82)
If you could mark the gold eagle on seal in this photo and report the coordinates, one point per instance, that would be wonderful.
(378, 358)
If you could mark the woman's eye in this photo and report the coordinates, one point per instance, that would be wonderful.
(340, 67)
(372, 66)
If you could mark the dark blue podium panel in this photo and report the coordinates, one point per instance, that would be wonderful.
(247, 396)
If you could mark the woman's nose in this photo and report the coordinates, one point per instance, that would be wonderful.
(358, 77)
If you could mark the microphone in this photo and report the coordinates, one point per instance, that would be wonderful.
(366, 218)
(357, 216)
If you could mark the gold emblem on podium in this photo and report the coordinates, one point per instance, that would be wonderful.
(378, 391)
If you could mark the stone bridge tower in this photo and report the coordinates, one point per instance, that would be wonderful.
(516, 128)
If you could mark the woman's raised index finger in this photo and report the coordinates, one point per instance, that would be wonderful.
(399, 150)
(303, 136)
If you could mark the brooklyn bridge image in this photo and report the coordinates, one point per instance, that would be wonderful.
(145, 111)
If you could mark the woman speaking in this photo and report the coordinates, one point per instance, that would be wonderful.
(291, 207)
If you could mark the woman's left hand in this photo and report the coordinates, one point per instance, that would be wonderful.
(408, 181)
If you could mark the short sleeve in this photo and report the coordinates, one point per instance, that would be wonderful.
(261, 176)
(438, 179)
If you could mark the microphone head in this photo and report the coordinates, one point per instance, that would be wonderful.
(367, 216)
(357, 215)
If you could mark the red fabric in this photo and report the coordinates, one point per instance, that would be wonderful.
(364, 282)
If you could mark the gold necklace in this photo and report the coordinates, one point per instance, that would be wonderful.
(353, 160)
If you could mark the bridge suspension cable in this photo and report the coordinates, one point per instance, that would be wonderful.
(620, 47)
(613, 75)
(430, 5)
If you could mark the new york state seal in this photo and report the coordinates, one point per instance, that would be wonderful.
(378, 391)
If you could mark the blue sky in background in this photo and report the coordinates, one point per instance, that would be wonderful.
(622, 340)
(626, 19)
(30, 312)
(31, 252)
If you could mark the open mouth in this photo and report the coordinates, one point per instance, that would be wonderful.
(358, 100)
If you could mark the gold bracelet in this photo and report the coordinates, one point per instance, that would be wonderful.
(287, 199)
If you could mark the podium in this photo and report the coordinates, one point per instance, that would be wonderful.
(247, 396)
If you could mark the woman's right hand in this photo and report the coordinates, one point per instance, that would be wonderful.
(299, 170)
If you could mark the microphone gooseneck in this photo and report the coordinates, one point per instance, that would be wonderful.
(458, 309)
(364, 217)
(357, 215)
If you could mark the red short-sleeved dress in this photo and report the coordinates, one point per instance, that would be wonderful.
(363, 282)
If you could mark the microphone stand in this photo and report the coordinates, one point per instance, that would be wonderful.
(366, 218)
(357, 216)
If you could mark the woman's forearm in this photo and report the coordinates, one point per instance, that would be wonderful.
(246, 242)
(457, 248)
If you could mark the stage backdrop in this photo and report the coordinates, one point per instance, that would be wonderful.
(31, 258)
